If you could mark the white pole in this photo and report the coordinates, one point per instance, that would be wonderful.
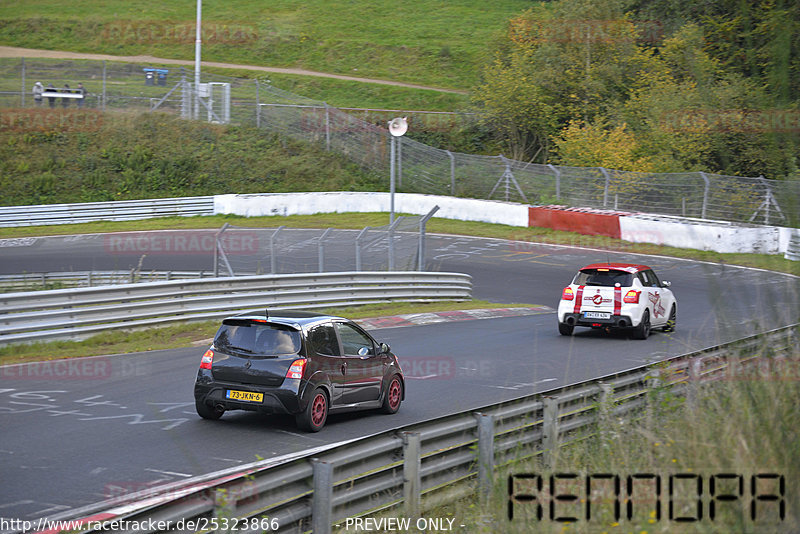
(197, 42)
(391, 182)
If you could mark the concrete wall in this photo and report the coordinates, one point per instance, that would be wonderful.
(463, 209)
(636, 228)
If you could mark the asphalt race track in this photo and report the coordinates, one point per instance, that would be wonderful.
(124, 423)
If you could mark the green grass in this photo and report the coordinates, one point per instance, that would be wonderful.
(742, 427)
(200, 333)
(439, 44)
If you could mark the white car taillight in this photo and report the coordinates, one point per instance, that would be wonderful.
(296, 369)
(207, 360)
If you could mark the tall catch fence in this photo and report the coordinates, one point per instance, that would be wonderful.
(396, 247)
(362, 136)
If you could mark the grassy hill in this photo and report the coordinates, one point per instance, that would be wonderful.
(157, 155)
(430, 43)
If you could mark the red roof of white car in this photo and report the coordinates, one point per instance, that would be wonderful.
(627, 267)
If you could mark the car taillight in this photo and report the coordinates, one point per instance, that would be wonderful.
(207, 360)
(296, 369)
(632, 297)
(567, 294)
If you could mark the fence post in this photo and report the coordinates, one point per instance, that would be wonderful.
(360, 235)
(327, 127)
(23, 83)
(258, 105)
(452, 173)
(705, 195)
(605, 187)
(485, 454)
(103, 107)
(549, 431)
(321, 249)
(421, 253)
(391, 240)
(273, 260)
(322, 498)
(412, 481)
(557, 174)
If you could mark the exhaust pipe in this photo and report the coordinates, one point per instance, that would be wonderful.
(571, 321)
(622, 323)
(219, 407)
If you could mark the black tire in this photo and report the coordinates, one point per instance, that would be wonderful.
(207, 412)
(565, 329)
(394, 396)
(643, 330)
(672, 321)
(313, 418)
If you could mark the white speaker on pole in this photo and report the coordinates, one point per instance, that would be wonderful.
(398, 126)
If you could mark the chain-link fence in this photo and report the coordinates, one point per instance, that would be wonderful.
(399, 246)
(420, 168)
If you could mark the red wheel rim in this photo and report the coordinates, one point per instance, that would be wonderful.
(394, 394)
(318, 409)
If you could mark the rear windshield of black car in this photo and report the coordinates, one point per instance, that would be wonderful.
(257, 338)
(596, 277)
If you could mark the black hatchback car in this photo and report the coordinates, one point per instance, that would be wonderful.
(299, 363)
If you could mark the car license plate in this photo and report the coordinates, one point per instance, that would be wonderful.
(596, 315)
(246, 396)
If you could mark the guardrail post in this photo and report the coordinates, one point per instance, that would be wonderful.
(605, 408)
(224, 504)
(653, 385)
(549, 431)
(412, 481)
(485, 455)
(693, 385)
(322, 498)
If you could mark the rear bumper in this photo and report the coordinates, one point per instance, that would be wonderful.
(283, 399)
(615, 321)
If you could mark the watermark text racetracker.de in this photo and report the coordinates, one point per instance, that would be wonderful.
(50, 120)
(189, 242)
(217, 524)
(166, 32)
(94, 368)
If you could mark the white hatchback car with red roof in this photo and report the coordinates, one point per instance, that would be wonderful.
(617, 295)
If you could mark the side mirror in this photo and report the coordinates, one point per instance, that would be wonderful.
(385, 349)
(665, 283)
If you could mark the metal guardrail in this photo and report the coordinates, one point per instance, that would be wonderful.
(79, 312)
(427, 464)
(94, 278)
(123, 210)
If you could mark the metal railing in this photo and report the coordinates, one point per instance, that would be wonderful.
(80, 312)
(28, 281)
(123, 210)
(420, 466)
